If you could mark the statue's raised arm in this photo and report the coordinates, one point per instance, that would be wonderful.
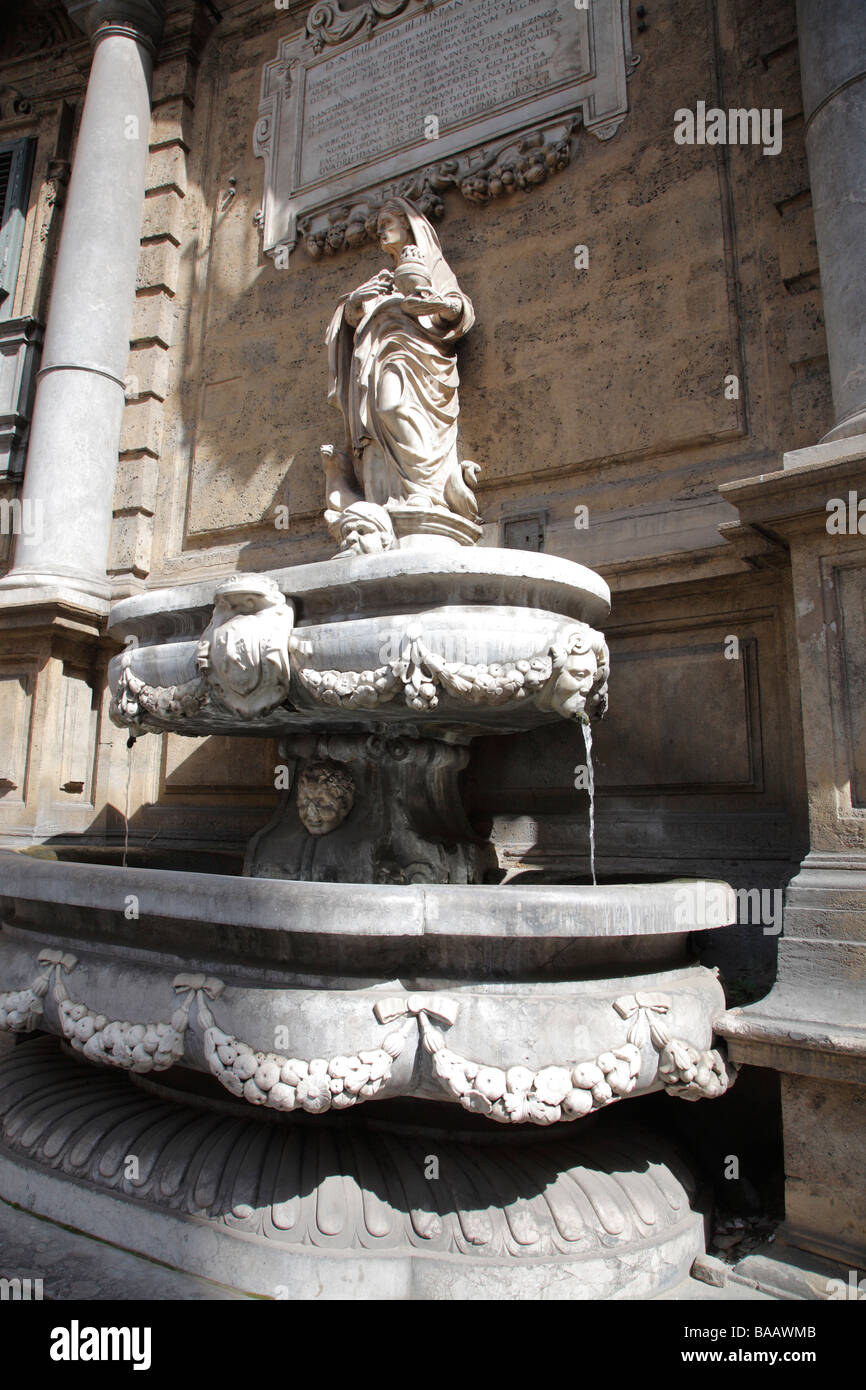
(393, 376)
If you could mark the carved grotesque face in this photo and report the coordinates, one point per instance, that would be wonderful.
(326, 793)
(581, 668)
(365, 529)
(363, 536)
(232, 600)
(393, 231)
(228, 606)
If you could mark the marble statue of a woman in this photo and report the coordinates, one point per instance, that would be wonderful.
(393, 376)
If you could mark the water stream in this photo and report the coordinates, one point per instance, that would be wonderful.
(587, 743)
(130, 743)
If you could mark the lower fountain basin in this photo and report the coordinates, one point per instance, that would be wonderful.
(522, 1003)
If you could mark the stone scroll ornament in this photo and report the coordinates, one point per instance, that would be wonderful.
(513, 1095)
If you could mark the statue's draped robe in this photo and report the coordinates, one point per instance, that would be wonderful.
(408, 450)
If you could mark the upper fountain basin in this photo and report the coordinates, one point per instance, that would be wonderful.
(458, 640)
(356, 586)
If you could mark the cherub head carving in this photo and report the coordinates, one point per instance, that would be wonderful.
(326, 794)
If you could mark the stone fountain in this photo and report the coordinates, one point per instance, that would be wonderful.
(364, 1067)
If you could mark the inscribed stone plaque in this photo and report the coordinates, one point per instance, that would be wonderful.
(412, 98)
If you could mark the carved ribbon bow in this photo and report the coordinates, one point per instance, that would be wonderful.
(419, 1006)
(55, 957)
(52, 959)
(640, 1008)
(195, 986)
(398, 1006)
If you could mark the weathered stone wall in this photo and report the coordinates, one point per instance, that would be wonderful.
(701, 263)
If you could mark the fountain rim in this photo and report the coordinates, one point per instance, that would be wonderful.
(372, 910)
(573, 589)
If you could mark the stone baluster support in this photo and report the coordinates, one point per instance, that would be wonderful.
(72, 459)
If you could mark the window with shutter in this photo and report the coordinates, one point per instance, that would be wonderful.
(16, 167)
(5, 171)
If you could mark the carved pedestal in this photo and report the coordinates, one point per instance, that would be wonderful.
(344, 1206)
(370, 808)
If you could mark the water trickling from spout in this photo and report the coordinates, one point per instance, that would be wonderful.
(590, 777)
(130, 744)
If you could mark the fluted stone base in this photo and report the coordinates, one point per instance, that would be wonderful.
(343, 1206)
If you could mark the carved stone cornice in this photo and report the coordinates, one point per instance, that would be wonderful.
(145, 17)
(800, 492)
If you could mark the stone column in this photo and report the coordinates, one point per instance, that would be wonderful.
(68, 487)
(811, 1027)
(832, 40)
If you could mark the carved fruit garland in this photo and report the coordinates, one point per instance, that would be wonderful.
(289, 1083)
(420, 674)
(513, 1095)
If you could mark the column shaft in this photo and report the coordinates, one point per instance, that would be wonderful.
(832, 36)
(75, 432)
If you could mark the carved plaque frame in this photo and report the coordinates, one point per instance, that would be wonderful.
(516, 142)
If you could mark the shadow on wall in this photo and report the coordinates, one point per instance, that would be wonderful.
(734, 1143)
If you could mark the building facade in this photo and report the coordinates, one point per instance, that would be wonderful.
(665, 382)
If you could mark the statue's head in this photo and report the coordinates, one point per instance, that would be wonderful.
(392, 229)
(326, 794)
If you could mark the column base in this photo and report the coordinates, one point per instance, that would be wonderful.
(25, 589)
(832, 451)
(850, 428)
